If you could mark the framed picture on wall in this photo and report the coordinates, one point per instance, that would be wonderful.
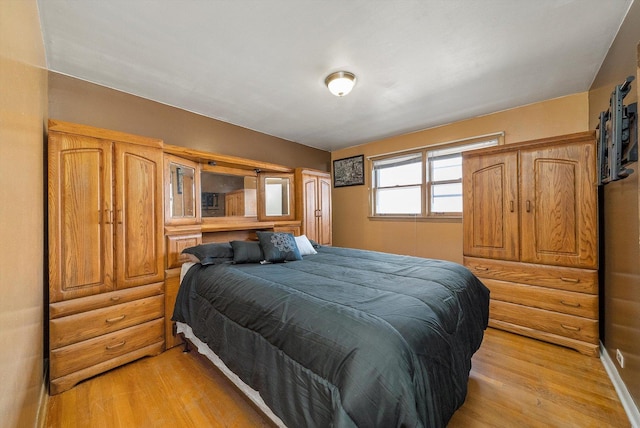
(348, 171)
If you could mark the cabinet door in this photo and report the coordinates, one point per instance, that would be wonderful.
(490, 206)
(80, 216)
(139, 228)
(324, 221)
(310, 207)
(559, 205)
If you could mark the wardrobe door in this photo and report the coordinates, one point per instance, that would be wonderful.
(490, 205)
(80, 216)
(139, 220)
(559, 205)
(325, 231)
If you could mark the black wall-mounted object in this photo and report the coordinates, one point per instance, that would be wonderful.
(617, 136)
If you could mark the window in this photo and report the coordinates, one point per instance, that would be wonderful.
(422, 183)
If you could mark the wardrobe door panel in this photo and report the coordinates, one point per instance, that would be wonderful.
(80, 216)
(139, 228)
(559, 206)
(490, 208)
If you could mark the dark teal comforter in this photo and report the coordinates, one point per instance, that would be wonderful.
(345, 337)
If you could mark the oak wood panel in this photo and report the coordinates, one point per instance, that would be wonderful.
(313, 204)
(105, 134)
(64, 383)
(74, 306)
(80, 216)
(562, 278)
(570, 326)
(65, 331)
(294, 230)
(172, 285)
(139, 219)
(583, 347)
(559, 205)
(490, 209)
(514, 381)
(91, 352)
(177, 243)
(568, 302)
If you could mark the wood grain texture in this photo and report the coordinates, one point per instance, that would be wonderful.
(313, 204)
(515, 381)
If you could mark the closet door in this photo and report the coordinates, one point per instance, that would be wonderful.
(325, 232)
(490, 205)
(80, 216)
(559, 205)
(310, 211)
(139, 221)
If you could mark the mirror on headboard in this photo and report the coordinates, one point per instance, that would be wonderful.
(182, 181)
(276, 201)
(228, 195)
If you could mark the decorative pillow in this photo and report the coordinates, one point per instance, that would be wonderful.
(304, 245)
(247, 252)
(279, 247)
(215, 250)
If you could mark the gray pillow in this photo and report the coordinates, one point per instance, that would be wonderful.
(279, 247)
(211, 254)
(247, 252)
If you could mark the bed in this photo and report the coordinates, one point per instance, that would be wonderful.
(339, 337)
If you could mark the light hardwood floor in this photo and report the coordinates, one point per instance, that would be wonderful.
(514, 382)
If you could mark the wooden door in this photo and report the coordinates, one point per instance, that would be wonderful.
(310, 207)
(490, 205)
(80, 216)
(139, 221)
(325, 231)
(559, 205)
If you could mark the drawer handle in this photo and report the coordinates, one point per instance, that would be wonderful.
(115, 298)
(117, 345)
(484, 269)
(570, 327)
(565, 279)
(116, 319)
(572, 304)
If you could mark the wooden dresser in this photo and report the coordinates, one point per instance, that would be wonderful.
(106, 273)
(530, 234)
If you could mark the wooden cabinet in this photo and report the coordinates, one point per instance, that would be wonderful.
(530, 233)
(105, 235)
(313, 204)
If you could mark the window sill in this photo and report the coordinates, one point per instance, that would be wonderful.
(431, 219)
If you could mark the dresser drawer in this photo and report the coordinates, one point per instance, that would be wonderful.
(83, 304)
(562, 278)
(78, 356)
(548, 321)
(75, 328)
(567, 302)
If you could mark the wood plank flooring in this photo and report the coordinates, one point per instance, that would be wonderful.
(515, 382)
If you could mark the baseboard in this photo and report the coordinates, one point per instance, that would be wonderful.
(627, 401)
(43, 403)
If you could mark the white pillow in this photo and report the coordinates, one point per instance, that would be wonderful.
(304, 246)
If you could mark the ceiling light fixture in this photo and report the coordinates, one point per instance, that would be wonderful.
(340, 83)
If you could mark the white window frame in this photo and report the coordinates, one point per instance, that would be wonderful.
(429, 155)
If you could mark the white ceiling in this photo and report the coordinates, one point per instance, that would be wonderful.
(261, 64)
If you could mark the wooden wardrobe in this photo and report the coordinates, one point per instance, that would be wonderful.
(313, 204)
(106, 273)
(530, 235)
